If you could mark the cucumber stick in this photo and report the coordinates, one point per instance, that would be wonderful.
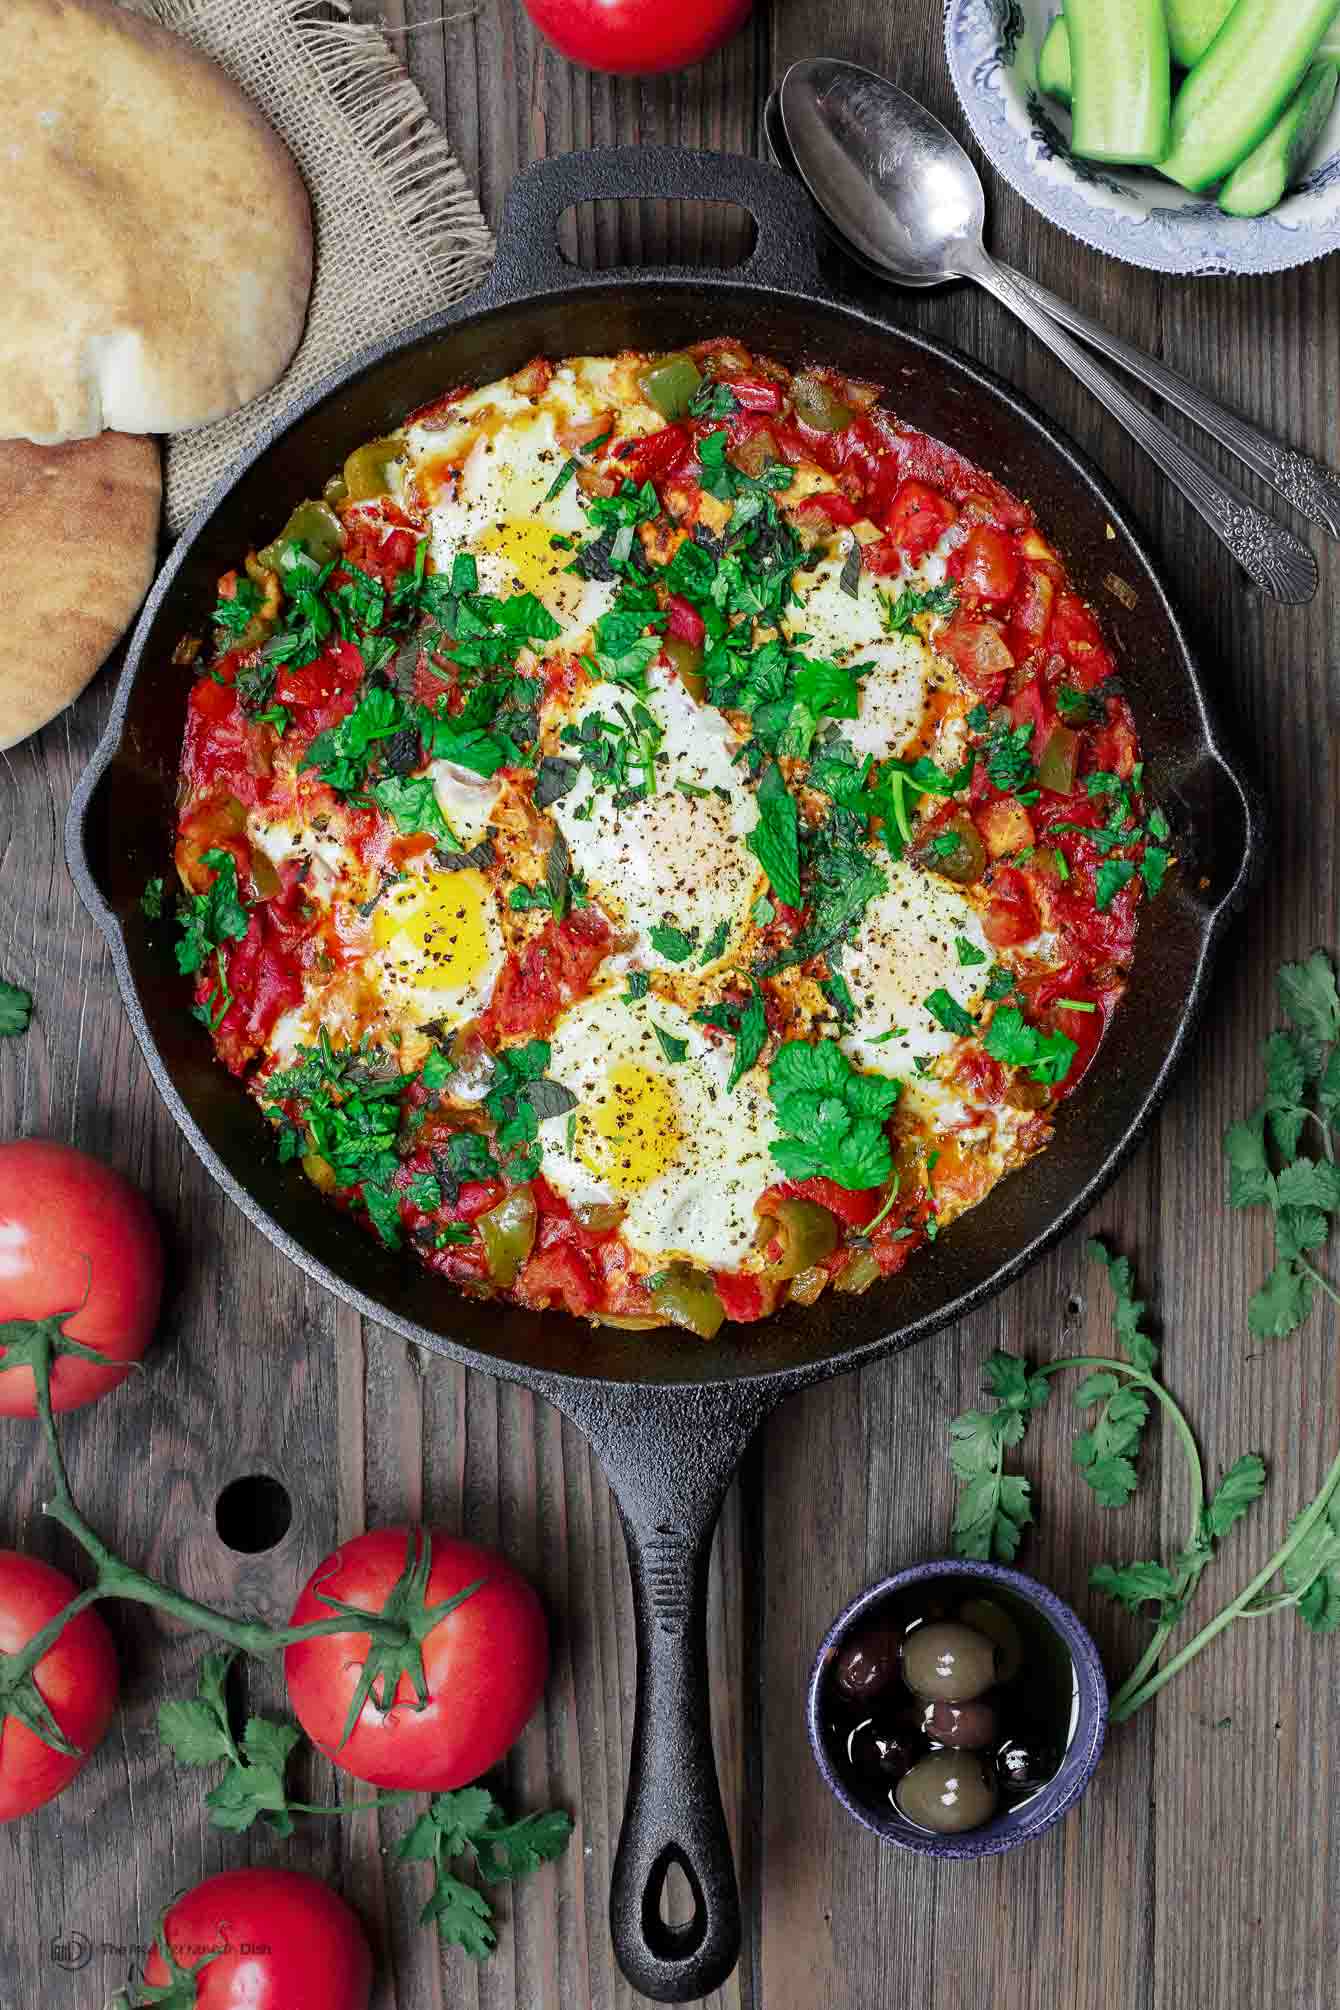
(1054, 62)
(1121, 79)
(1192, 26)
(1240, 86)
(1260, 181)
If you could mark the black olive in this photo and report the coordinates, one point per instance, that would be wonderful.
(1024, 1766)
(948, 1663)
(879, 1755)
(964, 1727)
(947, 1792)
(868, 1663)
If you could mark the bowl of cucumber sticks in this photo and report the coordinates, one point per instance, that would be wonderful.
(1189, 136)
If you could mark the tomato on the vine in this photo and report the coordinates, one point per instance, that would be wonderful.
(80, 1253)
(269, 1939)
(637, 38)
(75, 1685)
(484, 1661)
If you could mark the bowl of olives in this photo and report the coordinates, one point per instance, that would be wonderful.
(957, 1708)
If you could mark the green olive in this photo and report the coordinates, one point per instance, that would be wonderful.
(807, 1233)
(314, 526)
(367, 472)
(945, 1662)
(687, 659)
(818, 405)
(947, 1793)
(985, 1616)
(508, 1232)
(965, 862)
(669, 384)
(688, 1298)
(1056, 766)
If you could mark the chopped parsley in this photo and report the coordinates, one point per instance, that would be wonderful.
(947, 1012)
(900, 615)
(674, 1050)
(833, 1115)
(16, 1010)
(1011, 1040)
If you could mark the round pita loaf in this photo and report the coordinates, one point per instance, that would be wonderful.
(155, 235)
(78, 538)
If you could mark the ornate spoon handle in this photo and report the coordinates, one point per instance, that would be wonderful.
(1277, 561)
(1307, 485)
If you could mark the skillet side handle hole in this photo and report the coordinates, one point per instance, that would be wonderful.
(597, 235)
(674, 1915)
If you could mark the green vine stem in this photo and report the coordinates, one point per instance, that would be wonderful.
(114, 1578)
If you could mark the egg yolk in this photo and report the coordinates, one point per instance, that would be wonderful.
(433, 930)
(532, 564)
(629, 1134)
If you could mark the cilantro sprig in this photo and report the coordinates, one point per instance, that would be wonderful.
(834, 1116)
(16, 1009)
(1269, 1162)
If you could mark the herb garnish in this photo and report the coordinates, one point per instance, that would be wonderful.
(16, 1010)
(834, 1115)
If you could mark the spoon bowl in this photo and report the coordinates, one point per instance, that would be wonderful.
(891, 178)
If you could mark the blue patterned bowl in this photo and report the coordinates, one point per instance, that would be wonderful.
(1132, 213)
(1088, 1720)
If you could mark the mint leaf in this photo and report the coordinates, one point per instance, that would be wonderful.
(774, 840)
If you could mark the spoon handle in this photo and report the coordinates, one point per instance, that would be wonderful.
(1277, 561)
(1309, 486)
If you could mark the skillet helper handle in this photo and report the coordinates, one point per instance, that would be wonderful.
(669, 1453)
(785, 254)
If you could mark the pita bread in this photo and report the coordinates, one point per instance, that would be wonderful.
(155, 235)
(78, 539)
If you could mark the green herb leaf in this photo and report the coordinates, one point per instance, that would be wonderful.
(673, 1049)
(16, 1009)
(775, 841)
(1011, 1040)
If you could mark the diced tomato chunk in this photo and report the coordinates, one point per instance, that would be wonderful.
(654, 455)
(855, 1209)
(830, 507)
(1115, 747)
(1031, 609)
(338, 668)
(743, 1296)
(685, 622)
(757, 394)
(1011, 917)
(986, 564)
(1005, 826)
(560, 1275)
(918, 518)
(978, 651)
(550, 973)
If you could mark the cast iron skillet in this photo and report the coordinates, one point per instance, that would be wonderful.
(670, 1417)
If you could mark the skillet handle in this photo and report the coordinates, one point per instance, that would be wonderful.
(785, 255)
(669, 1453)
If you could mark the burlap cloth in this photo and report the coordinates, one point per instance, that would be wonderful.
(398, 230)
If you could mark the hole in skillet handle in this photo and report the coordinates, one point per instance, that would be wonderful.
(712, 235)
(529, 260)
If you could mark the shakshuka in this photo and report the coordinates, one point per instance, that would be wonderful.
(659, 837)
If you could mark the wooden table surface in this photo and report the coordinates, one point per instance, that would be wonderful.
(1199, 1869)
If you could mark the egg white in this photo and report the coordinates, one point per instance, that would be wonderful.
(904, 950)
(675, 856)
(689, 1157)
(902, 672)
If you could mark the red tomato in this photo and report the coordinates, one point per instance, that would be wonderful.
(744, 1297)
(284, 1940)
(986, 564)
(1011, 917)
(918, 518)
(856, 1208)
(648, 458)
(76, 1678)
(685, 623)
(485, 1663)
(338, 668)
(637, 38)
(551, 971)
(832, 507)
(77, 1238)
(757, 394)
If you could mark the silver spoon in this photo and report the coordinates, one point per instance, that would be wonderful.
(906, 198)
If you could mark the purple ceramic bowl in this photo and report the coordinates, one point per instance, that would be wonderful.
(1088, 1721)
